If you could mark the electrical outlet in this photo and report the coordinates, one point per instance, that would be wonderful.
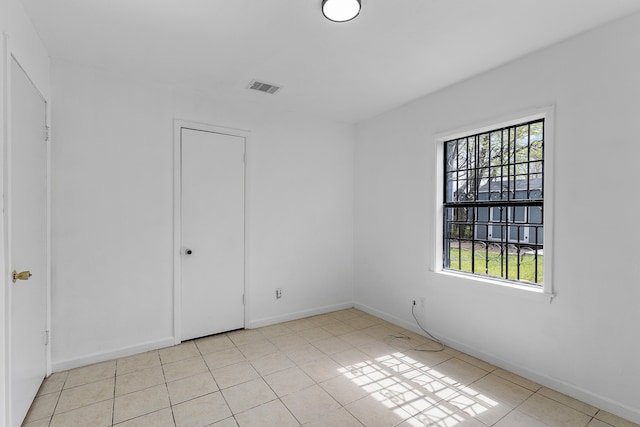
(423, 302)
(278, 293)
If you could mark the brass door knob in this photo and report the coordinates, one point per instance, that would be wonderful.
(23, 275)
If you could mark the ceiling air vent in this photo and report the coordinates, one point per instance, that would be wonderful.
(264, 87)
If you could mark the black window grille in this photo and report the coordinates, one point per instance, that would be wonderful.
(494, 203)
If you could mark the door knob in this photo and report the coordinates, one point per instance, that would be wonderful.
(188, 251)
(24, 275)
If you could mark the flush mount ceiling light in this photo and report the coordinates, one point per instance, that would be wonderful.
(340, 10)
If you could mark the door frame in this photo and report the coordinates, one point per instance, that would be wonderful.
(7, 55)
(178, 125)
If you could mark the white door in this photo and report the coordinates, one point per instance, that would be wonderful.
(27, 243)
(212, 233)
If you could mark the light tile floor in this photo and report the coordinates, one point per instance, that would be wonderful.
(340, 369)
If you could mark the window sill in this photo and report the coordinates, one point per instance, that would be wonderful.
(501, 284)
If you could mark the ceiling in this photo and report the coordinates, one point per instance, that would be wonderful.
(394, 52)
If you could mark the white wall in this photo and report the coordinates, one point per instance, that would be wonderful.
(24, 44)
(586, 342)
(113, 206)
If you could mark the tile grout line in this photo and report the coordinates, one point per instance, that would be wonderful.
(113, 402)
(57, 401)
(214, 380)
(278, 398)
(173, 417)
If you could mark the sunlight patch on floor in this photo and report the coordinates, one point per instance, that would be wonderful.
(400, 382)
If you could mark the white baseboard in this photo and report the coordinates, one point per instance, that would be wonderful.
(266, 321)
(89, 359)
(586, 396)
(389, 318)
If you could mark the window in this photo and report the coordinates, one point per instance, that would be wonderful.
(494, 203)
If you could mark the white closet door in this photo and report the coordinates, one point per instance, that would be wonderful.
(212, 232)
(27, 243)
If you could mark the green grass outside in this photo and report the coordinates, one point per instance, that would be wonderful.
(497, 265)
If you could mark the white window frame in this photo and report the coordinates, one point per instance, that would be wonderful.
(548, 114)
